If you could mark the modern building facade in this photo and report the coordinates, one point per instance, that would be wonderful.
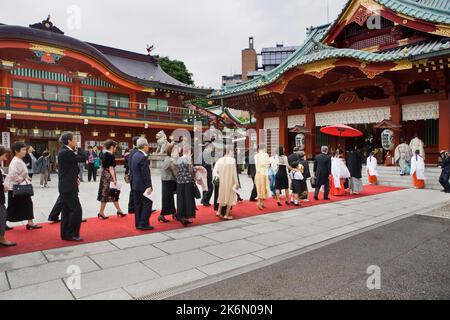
(380, 60)
(50, 82)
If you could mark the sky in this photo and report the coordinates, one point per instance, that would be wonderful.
(208, 35)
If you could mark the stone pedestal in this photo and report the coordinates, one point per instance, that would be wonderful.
(156, 161)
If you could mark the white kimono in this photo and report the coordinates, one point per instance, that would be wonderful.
(339, 171)
(372, 165)
(417, 144)
(418, 167)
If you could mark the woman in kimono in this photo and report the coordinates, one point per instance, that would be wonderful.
(402, 156)
(418, 170)
(339, 172)
(372, 172)
(355, 167)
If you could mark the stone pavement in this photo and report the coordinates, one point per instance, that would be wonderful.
(151, 264)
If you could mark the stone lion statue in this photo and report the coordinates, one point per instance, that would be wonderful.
(161, 141)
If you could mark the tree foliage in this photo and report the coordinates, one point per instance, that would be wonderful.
(176, 69)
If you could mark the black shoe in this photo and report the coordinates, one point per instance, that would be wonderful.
(102, 217)
(149, 228)
(207, 205)
(73, 239)
(153, 211)
(8, 228)
(279, 204)
(121, 214)
(35, 227)
(287, 203)
(4, 245)
(186, 222)
(162, 219)
(316, 198)
(253, 200)
(326, 199)
(55, 221)
(130, 212)
(84, 220)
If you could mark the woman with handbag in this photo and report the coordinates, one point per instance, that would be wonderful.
(109, 190)
(3, 241)
(186, 188)
(20, 189)
(169, 185)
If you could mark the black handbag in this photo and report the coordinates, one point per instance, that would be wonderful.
(25, 190)
(313, 182)
(197, 194)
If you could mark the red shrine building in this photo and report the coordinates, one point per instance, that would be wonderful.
(381, 61)
(50, 83)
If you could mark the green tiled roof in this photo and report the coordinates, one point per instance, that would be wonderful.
(313, 50)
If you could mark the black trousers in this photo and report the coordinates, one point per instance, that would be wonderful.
(56, 211)
(326, 191)
(254, 194)
(92, 172)
(443, 180)
(131, 208)
(208, 194)
(142, 209)
(71, 215)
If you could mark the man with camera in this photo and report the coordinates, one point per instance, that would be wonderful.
(445, 175)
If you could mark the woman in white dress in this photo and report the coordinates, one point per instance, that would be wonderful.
(372, 172)
(418, 170)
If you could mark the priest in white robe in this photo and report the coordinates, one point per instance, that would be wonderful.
(402, 156)
(417, 144)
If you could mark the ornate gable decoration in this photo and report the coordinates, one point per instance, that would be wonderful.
(47, 54)
(348, 97)
(46, 25)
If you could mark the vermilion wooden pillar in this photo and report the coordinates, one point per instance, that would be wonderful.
(76, 91)
(444, 124)
(259, 126)
(396, 118)
(310, 125)
(283, 118)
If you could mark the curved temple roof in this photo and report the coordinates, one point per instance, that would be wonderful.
(313, 50)
(134, 67)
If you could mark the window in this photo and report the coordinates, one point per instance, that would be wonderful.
(51, 93)
(38, 91)
(157, 105)
(20, 89)
(431, 132)
(34, 91)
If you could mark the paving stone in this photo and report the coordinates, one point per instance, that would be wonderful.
(114, 278)
(277, 250)
(138, 241)
(306, 230)
(266, 227)
(114, 295)
(188, 233)
(230, 235)
(53, 290)
(164, 283)
(233, 249)
(49, 271)
(127, 256)
(299, 221)
(3, 282)
(229, 264)
(341, 231)
(308, 241)
(332, 222)
(274, 238)
(255, 219)
(79, 251)
(182, 245)
(226, 225)
(22, 261)
(180, 262)
(365, 223)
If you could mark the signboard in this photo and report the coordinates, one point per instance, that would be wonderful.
(6, 140)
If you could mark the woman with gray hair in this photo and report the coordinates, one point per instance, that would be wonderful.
(185, 188)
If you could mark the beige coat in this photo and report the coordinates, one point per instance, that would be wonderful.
(225, 170)
(17, 173)
(262, 164)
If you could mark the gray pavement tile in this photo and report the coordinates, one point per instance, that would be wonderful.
(53, 290)
(229, 264)
(126, 256)
(182, 245)
(113, 295)
(188, 233)
(180, 262)
(49, 271)
(274, 238)
(332, 222)
(22, 261)
(79, 251)
(266, 227)
(254, 220)
(164, 283)
(299, 221)
(226, 225)
(114, 278)
(230, 235)
(306, 230)
(138, 241)
(277, 250)
(233, 249)
(317, 238)
(3, 282)
(342, 230)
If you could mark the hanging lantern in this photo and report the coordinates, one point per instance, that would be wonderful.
(387, 139)
(95, 133)
(128, 135)
(13, 129)
(112, 134)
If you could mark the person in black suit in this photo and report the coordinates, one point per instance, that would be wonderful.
(322, 171)
(208, 162)
(445, 175)
(294, 157)
(68, 173)
(141, 182)
(128, 173)
(251, 172)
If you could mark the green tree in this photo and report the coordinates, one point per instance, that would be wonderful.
(176, 69)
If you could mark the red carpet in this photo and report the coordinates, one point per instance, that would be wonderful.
(95, 230)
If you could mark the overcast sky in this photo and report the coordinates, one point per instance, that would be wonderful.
(208, 35)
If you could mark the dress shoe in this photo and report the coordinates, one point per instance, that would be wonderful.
(121, 214)
(162, 219)
(326, 199)
(207, 205)
(7, 245)
(8, 228)
(84, 220)
(253, 200)
(55, 221)
(149, 228)
(102, 217)
(316, 198)
(35, 227)
(73, 239)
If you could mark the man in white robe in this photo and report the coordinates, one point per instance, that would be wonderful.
(417, 144)
(402, 156)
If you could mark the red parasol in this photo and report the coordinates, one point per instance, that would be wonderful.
(341, 130)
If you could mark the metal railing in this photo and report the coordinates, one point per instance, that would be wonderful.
(135, 111)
